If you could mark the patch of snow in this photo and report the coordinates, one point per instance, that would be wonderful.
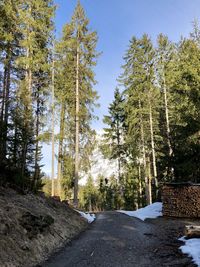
(90, 217)
(151, 211)
(192, 248)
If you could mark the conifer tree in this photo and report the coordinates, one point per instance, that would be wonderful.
(186, 96)
(141, 96)
(36, 32)
(25, 28)
(78, 57)
(165, 65)
(9, 43)
(113, 142)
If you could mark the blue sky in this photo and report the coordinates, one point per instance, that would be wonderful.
(116, 21)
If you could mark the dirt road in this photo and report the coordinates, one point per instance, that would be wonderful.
(116, 240)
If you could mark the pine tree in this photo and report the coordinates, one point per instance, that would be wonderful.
(77, 50)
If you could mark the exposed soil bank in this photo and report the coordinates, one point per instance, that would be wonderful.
(32, 227)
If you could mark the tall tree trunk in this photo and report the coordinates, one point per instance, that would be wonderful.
(4, 92)
(139, 187)
(5, 104)
(37, 167)
(167, 118)
(52, 134)
(2, 156)
(143, 153)
(27, 114)
(119, 171)
(60, 148)
(23, 166)
(119, 162)
(15, 146)
(118, 148)
(149, 200)
(77, 133)
(27, 96)
(90, 203)
(170, 150)
(152, 143)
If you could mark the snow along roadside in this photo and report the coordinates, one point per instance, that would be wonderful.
(89, 217)
(151, 211)
(192, 248)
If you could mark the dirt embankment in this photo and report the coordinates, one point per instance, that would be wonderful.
(32, 227)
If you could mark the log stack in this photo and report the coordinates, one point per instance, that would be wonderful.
(181, 200)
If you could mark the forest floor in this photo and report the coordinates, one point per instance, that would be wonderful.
(117, 240)
(32, 227)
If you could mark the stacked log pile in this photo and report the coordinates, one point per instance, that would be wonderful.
(181, 200)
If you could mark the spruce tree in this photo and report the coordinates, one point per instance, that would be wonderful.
(77, 50)
(186, 96)
(36, 32)
(9, 43)
(166, 59)
(114, 133)
(25, 28)
(141, 98)
(113, 146)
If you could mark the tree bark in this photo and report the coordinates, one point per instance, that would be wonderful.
(139, 187)
(37, 167)
(152, 143)
(167, 118)
(60, 148)
(149, 199)
(77, 132)
(52, 134)
(118, 148)
(4, 92)
(27, 96)
(143, 153)
(23, 166)
(5, 104)
(170, 150)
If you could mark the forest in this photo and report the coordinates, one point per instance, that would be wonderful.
(48, 96)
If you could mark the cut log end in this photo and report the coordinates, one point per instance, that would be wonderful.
(192, 231)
